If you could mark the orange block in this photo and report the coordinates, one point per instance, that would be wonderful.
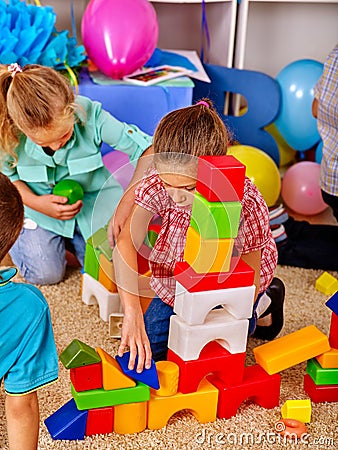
(106, 274)
(202, 404)
(329, 360)
(112, 375)
(292, 349)
(207, 255)
(130, 418)
(168, 373)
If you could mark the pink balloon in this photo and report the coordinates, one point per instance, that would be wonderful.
(119, 165)
(119, 35)
(301, 190)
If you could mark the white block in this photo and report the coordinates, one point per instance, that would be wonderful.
(193, 307)
(115, 325)
(187, 341)
(94, 292)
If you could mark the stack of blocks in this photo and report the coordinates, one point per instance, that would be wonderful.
(215, 293)
(321, 379)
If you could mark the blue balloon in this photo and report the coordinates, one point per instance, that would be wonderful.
(295, 121)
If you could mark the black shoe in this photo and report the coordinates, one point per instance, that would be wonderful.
(276, 291)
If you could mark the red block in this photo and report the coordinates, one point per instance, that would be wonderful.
(258, 385)
(240, 274)
(85, 378)
(333, 337)
(220, 178)
(213, 359)
(320, 393)
(100, 421)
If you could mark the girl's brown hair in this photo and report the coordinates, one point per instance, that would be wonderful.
(29, 99)
(190, 132)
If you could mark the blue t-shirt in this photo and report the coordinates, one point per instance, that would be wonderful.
(28, 356)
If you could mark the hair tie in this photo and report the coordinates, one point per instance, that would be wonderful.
(14, 69)
(202, 102)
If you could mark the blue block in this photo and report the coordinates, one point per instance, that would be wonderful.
(332, 303)
(67, 422)
(147, 376)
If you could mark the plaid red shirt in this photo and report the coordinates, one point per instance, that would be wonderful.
(254, 234)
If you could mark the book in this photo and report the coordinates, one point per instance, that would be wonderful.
(156, 75)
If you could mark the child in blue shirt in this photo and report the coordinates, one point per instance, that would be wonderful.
(28, 357)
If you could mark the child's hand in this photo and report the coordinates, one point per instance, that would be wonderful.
(56, 206)
(135, 337)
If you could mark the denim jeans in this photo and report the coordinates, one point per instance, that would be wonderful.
(40, 254)
(157, 321)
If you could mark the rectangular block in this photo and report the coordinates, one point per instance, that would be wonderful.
(207, 255)
(329, 359)
(333, 336)
(320, 375)
(292, 349)
(106, 273)
(87, 377)
(100, 398)
(100, 421)
(239, 274)
(215, 220)
(220, 178)
(320, 394)
(327, 284)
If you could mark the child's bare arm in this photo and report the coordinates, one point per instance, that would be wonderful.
(22, 414)
(126, 272)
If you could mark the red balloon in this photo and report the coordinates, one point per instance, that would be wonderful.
(119, 35)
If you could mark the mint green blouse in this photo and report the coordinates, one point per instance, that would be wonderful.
(80, 160)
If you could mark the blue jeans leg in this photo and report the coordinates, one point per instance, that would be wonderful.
(79, 245)
(40, 256)
(157, 320)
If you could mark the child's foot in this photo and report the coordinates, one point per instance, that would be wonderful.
(271, 322)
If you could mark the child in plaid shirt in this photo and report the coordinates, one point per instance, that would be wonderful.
(167, 189)
(325, 109)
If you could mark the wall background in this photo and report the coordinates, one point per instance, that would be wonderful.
(278, 32)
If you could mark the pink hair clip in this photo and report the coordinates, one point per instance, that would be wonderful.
(14, 69)
(202, 102)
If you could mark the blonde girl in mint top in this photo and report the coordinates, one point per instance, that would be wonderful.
(47, 134)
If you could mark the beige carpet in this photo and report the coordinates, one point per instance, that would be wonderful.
(251, 428)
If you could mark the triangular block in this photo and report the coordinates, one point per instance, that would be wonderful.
(147, 376)
(67, 422)
(113, 377)
(332, 303)
(78, 354)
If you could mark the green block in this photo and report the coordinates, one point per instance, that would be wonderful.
(105, 248)
(100, 398)
(91, 261)
(215, 220)
(321, 375)
(78, 354)
(98, 238)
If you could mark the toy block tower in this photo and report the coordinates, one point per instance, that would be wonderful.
(215, 294)
(321, 379)
(107, 396)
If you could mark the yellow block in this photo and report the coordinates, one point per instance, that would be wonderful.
(112, 375)
(292, 349)
(202, 404)
(329, 360)
(207, 255)
(106, 274)
(130, 418)
(168, 373)
(297, 410)
(327, 284)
